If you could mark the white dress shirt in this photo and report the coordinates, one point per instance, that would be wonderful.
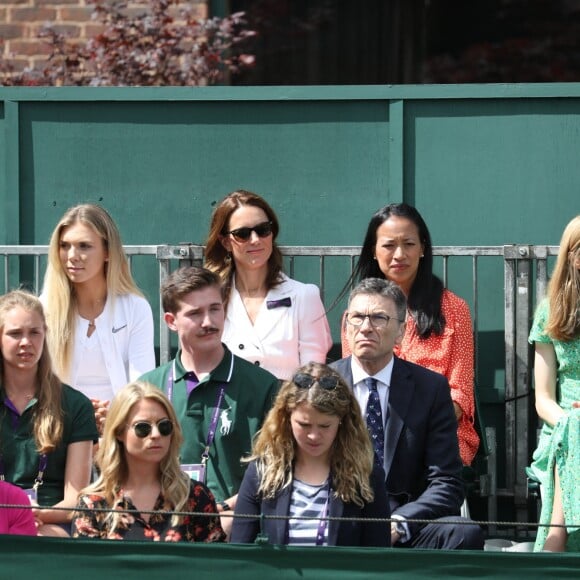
(361, 391)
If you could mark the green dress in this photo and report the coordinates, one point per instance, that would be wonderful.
(560, 444)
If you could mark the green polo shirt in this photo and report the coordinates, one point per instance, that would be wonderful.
(248, 396)
(18, 448)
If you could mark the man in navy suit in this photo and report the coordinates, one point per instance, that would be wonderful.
(418, 443)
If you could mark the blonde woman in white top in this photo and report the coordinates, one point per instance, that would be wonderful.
(100, 327)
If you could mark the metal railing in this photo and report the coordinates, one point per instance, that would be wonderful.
(525, 276)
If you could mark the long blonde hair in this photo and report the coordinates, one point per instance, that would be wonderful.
(48, 414)
(112, 460)
(564, 287)
(58, 290)
(351, 460)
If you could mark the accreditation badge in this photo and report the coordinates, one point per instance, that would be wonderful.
(195, 471)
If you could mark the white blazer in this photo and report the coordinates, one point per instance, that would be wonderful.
(125, 332)
(285, 335)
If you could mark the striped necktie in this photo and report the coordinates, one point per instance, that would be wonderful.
(374, 419)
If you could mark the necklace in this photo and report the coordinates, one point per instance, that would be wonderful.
(17, 396)
(91, 328)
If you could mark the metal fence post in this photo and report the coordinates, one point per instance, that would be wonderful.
(518, 408)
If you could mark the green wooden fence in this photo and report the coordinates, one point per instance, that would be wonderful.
(487, 165)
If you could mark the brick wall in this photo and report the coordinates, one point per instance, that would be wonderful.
(21, 20)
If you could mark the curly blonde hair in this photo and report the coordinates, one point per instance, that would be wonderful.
(351, 460)
(564, 287)
(47, 420)
(112, 461)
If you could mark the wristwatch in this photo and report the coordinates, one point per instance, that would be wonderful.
(225, 506)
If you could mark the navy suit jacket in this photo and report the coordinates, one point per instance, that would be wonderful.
(340, 533)
(422, 464)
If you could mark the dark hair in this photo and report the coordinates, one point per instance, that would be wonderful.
(217, 258)
(424, 298)
(183, 281)
(386, 289)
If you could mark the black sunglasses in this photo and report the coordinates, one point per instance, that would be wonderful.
(143, 428)
(305, 381)
(263, 230)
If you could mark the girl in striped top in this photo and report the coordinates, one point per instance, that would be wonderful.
(311, 466)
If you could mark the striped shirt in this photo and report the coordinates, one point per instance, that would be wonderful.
(307, 501)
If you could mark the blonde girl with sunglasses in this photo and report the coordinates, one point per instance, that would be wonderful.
(140, 480)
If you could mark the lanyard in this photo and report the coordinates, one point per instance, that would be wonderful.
(38, 480)
(41, 469)
(171, 380)
(215, 415)
(213, 425)
(323, 523)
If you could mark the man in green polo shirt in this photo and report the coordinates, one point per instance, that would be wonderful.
(220, 399)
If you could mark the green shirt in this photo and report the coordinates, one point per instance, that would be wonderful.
(18, 448)
(248, 395)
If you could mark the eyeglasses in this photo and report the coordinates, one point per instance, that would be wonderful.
(305, 381)
(143, 428)
(263, 230)
(376, 320)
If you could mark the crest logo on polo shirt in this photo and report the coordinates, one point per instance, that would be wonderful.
(226, 422)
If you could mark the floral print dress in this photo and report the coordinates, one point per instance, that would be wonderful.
(90, 522)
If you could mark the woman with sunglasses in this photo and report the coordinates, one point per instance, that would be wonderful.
(47, 429)
(100, 326)
(141, 481)
(311, 462)
(271, 320)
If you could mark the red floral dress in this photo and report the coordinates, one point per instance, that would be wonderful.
(91, 523)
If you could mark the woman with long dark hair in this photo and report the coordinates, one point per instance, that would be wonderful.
(271, 320)
(439, 335)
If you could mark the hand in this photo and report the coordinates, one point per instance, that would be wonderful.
(395, 536)
(576, 404)
(458, 411)
(36, 513)
(227, 517)
(227, 521)
(101, 409)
